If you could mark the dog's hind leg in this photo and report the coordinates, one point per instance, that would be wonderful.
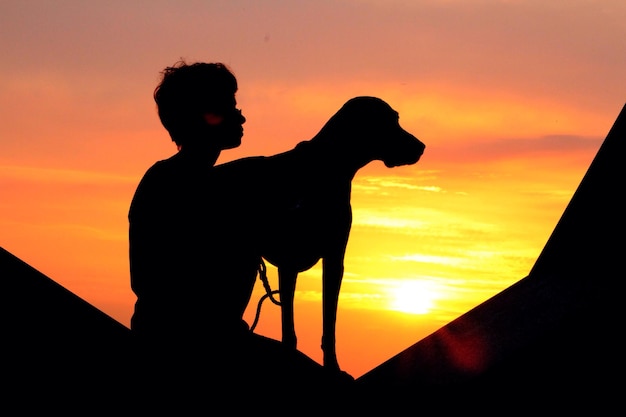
(287, 287)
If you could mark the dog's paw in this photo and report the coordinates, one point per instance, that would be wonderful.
(343, 376)
(339, 378)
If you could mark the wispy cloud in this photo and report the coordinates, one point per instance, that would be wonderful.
(376, 184)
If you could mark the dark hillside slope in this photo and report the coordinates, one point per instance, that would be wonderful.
(554, 338)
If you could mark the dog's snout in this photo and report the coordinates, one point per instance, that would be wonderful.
(418, 145)
(422, 147)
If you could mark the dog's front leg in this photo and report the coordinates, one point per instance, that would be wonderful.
(331, 281)
(287, 287)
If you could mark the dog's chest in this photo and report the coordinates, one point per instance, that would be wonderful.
(302, 230)
(308, 217)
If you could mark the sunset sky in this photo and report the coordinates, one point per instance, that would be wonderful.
(512, 99)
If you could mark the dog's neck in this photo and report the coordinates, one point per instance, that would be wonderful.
(343, 161)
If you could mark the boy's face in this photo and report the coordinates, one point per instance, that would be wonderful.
(225, 126)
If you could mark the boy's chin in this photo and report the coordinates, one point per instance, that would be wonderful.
(231, 144)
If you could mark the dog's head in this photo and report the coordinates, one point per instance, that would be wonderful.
(370, 130)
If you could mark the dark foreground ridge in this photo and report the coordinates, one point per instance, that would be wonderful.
(65, 353)
(550, 342)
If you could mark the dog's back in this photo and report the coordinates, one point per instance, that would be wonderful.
(289, 205)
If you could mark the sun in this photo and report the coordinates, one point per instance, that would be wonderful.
(413, 297)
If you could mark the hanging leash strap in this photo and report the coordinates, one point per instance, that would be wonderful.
(269, 293)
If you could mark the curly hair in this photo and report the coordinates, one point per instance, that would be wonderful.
(186, 91)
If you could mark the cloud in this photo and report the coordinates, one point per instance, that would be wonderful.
(525, 148)
(375, 184)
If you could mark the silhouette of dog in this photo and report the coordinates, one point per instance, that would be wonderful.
(293, 208)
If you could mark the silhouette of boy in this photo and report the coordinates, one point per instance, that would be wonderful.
(182, 298)
(192, 278)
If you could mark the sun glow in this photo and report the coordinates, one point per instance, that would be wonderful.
(413, 297)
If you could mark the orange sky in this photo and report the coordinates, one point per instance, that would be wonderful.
(512, 99)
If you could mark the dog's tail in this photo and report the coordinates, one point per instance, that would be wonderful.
(269, 293)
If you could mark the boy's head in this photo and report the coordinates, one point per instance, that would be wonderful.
(191, 97)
